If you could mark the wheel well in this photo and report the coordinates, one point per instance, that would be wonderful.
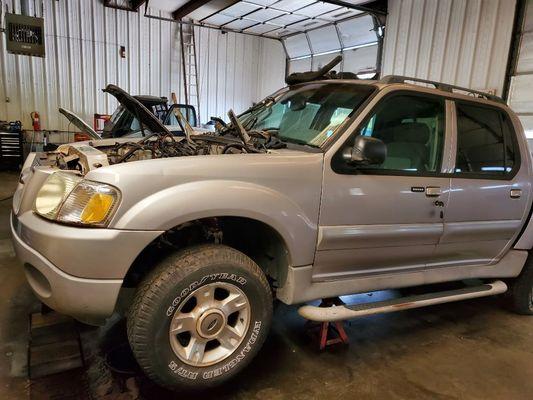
(257, 240)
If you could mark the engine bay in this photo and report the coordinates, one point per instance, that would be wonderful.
(232, 138)
(86, 156)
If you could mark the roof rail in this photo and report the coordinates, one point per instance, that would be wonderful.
(441, 86)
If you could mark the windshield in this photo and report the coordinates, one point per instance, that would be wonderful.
(121, 123)
(307, 115)
(124, 123)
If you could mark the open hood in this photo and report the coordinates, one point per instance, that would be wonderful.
(79, 123)
(134, 106)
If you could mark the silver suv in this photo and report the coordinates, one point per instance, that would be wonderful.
(329, 187)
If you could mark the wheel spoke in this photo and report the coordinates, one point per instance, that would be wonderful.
(183, 323)
(195, 350)
(234, 302)
(229, 338)
(205, 294)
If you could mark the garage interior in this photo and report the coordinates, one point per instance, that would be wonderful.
(212, 56)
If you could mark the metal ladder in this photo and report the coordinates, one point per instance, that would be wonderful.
(190, 69)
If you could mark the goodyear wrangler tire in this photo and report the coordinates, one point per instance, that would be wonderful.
(200, 317)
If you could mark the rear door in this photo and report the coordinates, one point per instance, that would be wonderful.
(489, 188)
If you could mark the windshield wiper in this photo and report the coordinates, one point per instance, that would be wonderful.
(266, 139)
(266, 101)
(246, 139)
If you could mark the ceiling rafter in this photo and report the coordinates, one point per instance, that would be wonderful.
(136, 4)
(363, 8)
(126, 5)
(188, 8)
(273, 19)
(271, 22)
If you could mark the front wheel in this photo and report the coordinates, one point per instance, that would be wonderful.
(200, 317)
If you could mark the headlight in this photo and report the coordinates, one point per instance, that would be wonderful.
(67, 198)
(53, 192)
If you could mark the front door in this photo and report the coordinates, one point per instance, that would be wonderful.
(389, 217)
(490, 188)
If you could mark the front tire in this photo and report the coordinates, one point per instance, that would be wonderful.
(200, 317)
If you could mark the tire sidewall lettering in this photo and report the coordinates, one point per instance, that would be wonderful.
(226, 367)
(177, 367)
(224, 276)
(238, 357)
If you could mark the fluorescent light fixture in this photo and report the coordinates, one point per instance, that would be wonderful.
(367, 74)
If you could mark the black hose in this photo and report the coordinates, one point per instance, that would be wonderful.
(226, 148)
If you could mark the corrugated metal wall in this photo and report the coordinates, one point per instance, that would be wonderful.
(82, 55)
(462, 42)
(235, 70)
(271, 75)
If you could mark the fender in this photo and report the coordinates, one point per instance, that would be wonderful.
(185, 202)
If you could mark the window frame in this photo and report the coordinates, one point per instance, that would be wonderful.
(339, 166)
(188, 106)
(504, 117)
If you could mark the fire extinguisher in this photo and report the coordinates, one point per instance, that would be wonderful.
(35, 120)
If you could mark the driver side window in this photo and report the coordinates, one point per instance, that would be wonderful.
(412, 128)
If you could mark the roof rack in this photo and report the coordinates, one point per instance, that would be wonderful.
(441, 86)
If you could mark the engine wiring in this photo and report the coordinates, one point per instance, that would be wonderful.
(166, 145)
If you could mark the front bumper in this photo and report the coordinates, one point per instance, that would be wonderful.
(84, 296)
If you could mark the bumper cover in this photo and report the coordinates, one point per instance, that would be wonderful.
(89, 300)
(82, 252)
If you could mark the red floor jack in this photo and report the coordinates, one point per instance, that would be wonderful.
(328, 333)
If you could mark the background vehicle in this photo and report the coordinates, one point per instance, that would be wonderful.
(330, 187)
(124, 123)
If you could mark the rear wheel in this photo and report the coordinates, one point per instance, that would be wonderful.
(200, 317)
(521, 290)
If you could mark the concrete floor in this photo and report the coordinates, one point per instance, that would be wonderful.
(469, 350)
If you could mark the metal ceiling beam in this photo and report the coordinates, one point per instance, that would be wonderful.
(136, 4)
(133, 5)
(370, 10)
(223, 30)
(188, 8)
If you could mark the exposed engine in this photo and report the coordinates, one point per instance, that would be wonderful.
(231, 138)
(96, 154)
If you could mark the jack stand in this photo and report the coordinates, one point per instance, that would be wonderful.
(321, 330)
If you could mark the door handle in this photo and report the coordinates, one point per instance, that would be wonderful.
(515, 193)
(433, 191)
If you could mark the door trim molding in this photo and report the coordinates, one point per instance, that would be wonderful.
(456, 232)
(386, 235)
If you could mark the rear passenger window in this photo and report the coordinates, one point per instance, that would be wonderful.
(485, 143)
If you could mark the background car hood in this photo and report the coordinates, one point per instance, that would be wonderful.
(136, 108)
(79, 123)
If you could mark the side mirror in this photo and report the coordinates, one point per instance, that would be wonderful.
(365, 151)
